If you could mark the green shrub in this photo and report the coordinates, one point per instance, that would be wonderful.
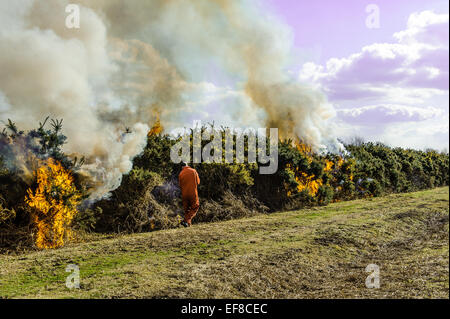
(325, 195)
(132, 207)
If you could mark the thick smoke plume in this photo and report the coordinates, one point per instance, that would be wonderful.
(133, 60)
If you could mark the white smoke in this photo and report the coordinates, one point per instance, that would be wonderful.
(50, 70)
(131, 60)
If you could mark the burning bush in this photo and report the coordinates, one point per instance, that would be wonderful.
(38, 187)
(54, 204)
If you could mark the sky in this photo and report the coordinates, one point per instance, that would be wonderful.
(318, 70)
(388, 83)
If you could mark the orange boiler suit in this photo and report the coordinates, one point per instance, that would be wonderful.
(189, 180)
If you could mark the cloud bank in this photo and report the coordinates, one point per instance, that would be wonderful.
(406, 81)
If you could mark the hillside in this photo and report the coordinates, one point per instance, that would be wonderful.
(313, 253)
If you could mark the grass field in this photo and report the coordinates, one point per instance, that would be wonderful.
(313, 253)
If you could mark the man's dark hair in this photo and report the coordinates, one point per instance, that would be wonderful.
(179, 167)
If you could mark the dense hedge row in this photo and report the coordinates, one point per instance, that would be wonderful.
(234, 190)
(149, 196)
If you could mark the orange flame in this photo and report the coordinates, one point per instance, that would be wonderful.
(157, 127)
(304, 148)
(54, 202)
(311, 183)
(305, 181)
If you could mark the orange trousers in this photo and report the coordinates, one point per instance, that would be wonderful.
(191, 206)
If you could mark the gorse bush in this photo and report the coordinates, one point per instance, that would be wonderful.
(132, 207)
(303, 179)
(149, 196)
(53, 205)
(398, 170)
(39, 188)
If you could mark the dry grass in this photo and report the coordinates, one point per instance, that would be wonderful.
(314, 253)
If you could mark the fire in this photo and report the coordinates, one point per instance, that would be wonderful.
(305, 182)
(54, 204)
(304, 148)
(310, 183)
(328, 165)
(157, 127)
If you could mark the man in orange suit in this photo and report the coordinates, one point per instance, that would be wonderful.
(189, 181)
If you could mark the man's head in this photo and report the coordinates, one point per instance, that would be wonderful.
(182, 165)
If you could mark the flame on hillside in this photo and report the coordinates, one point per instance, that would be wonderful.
(54, 204)
(157, 128)
(307, 182)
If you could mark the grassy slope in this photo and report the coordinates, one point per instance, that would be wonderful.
(314, 253)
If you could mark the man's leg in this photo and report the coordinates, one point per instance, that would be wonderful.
(186, 208)
(191, 211)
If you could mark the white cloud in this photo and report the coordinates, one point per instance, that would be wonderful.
(388, 113)
(382, 89)
(421, 25)
(410, 63)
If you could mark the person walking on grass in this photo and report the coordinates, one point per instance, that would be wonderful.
(189, 180)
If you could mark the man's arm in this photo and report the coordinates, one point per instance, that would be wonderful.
(198, 178)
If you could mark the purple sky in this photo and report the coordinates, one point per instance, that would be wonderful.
(337, 28)
(389, 83)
